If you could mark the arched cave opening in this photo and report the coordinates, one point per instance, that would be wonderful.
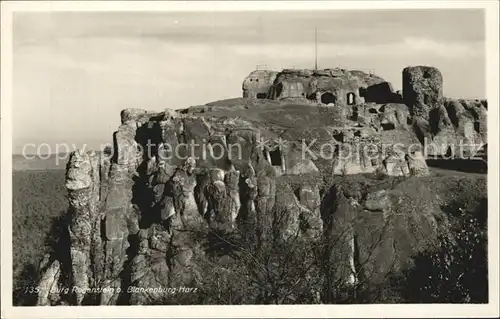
(339, 137)
(327, 98)
(351, 98)
(261, 95)
(373, 110)
(355, 113)
(275, 156)
(278, 89)
(476, 126)
(362, 91)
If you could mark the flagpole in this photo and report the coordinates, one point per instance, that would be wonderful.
(315, 48)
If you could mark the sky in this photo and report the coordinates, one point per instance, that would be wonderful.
(73, 72)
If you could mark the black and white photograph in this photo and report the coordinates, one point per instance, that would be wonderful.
(268, 154)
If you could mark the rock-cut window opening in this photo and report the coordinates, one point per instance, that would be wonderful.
(426, 99)
(278, 89)
(328, 98)
(261, 95)
(355, 113)
(388, 126)
(339, 137)
(275, 157)
(351, 98)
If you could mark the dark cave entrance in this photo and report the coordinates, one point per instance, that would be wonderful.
(275, 157)
(327, 98)
(278, 89)
(426, 99)
(388, 126)
(355, 113)
(339, 137)
(261, 95)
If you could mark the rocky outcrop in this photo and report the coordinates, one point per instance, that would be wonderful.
(448, 127)
(232, 180)
(49, 285)
(147, 215)
(258, 83)
(264, 202)
(393, 116)
(169, 198)
(374, 231)
(422, 89)
(456, 128)
(120, 217)
(83, 184)
(328, 86)
(310, 199)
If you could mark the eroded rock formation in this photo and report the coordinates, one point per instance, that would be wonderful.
(327, 86)
(144, 213)
(454, 128)
(422, 89)
(256, 85)
(451, 127)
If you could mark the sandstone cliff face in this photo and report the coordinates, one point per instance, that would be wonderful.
(257, 84)
(147, 215)
(422, 89)
(328, 86)
(454, 128)
(135, 216)
(457, 128)
(324, 86)
(83, 183)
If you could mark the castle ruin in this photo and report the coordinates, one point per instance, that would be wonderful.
(145, 220)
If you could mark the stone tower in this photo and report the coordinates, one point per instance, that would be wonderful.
(422, 89)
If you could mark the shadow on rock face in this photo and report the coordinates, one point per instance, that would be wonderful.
(460, 165)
